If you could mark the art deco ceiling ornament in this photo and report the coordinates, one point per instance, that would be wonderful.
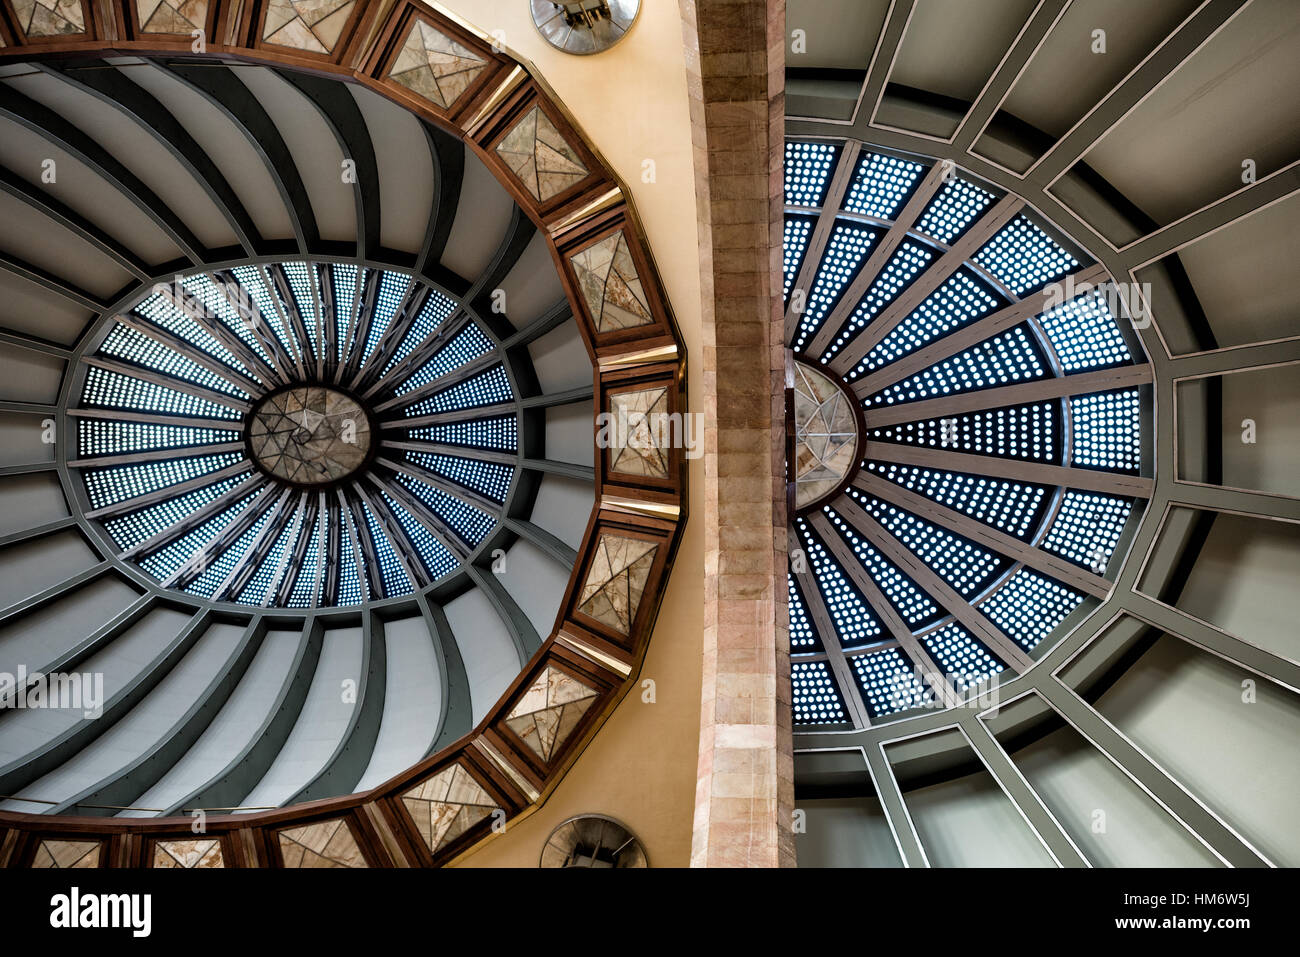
(969, 449)
(585, 26)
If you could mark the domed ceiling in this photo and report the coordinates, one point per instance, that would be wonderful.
(969, 419)
(299, 390)
(1037, 257)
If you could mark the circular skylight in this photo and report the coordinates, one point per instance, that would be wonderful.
(296, 434)
(1001, 411)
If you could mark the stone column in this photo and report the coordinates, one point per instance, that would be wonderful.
(744, 796)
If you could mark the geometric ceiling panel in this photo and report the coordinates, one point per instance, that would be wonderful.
(447, 805)
(67, 854)
(311, 25)
(435, 66)
(322, 844)
(172, 16)
(641, 445)
(549, 710)
(188, 854)
(616, 580)
(50, 18)
(611, 286)
(539, 156)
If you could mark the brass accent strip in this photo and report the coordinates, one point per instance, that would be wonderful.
(611, 197)
(666, 353)
(634, 506)
(498, 759)
(587, 651)
(508, 86)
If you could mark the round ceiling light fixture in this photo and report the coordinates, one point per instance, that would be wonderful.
(584, 27)
(593, 840)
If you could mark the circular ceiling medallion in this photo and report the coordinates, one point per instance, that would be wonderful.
(583, 27)
(593, 841)
(309, 435)
(826, 435)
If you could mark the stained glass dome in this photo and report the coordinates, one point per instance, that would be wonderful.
(296, 434)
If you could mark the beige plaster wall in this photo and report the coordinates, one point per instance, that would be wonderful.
(631, 102)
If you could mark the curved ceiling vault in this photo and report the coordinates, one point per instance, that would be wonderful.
(1039, 550)
(297, 399)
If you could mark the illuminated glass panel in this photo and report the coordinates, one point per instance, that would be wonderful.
(266, 579)
(392, 292)
(808, 168)
(961, 300)
(908, 262)
(1087, 528)
(268, 303)
(881, 185)
(845, 253)
(1006, 359)
(304, 585)
(1029, 607)
(967, 567)
(97, 437)
(964, 660)
(433, 313)
(486, 478)
(123, 342)
(817, 698)
(1012, 507)
(185, 550)
(470, 523)
(1029, 432)
(954, 208)
(497, 433)
(803, 637)
(855, 622)
(889, 683)
(112, 390)
(1024, 258)
(913, 604)
(132, 529)
(490, 387)
(1085, 334)
(117, 483)
(797, 231)
(396, 581)
(466, 346)
(1106, 431)
(438, 561)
